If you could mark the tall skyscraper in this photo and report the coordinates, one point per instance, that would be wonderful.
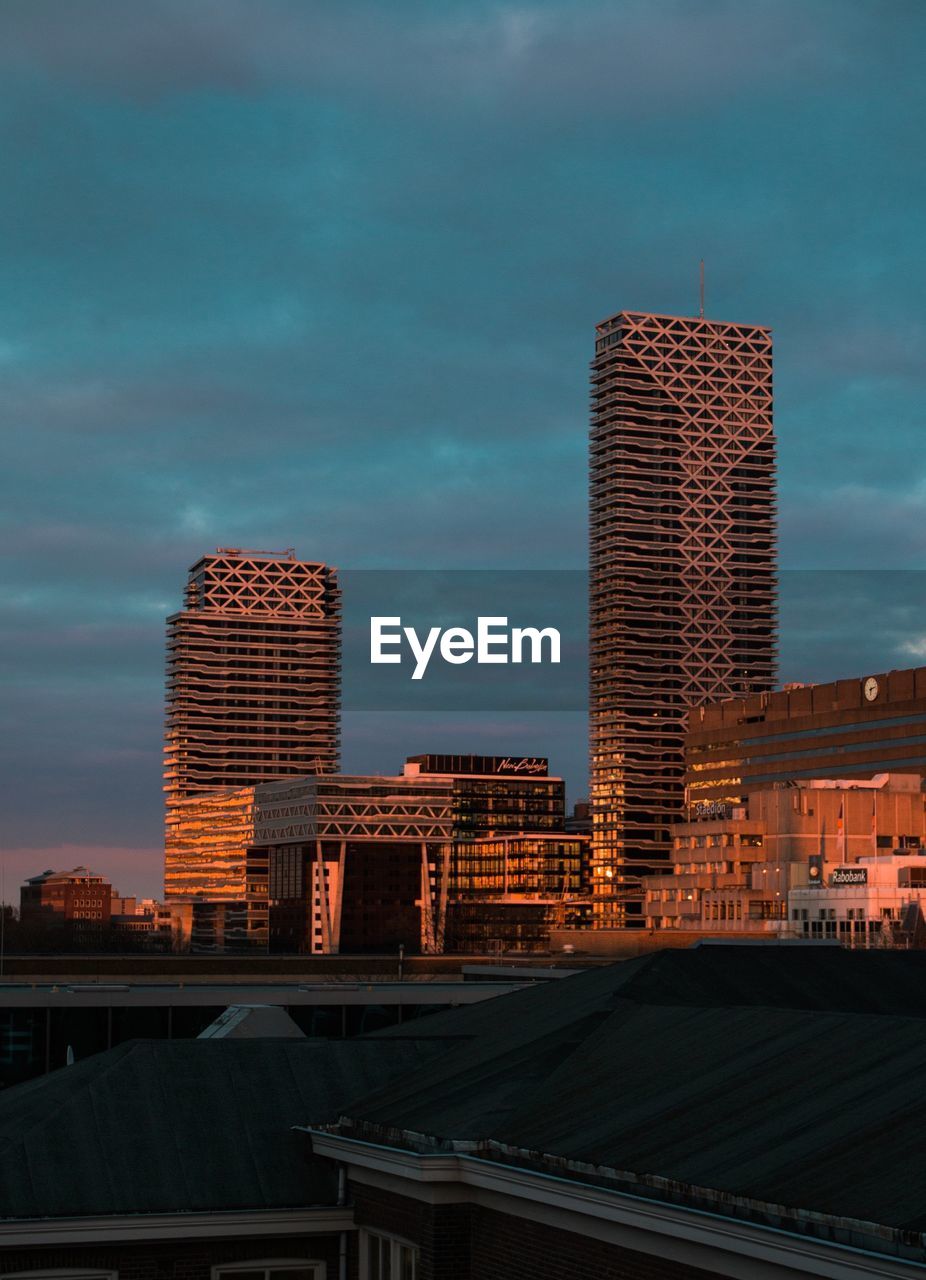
(253, 678)
(682, 568)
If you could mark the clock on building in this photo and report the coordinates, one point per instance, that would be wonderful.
(871, 688)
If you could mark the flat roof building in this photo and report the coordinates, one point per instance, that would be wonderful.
(733, 872)
(355, 864)
(682, 568)
(507, 892)
(850, 728)
(347, 862)
(495, 795)
(875, 901)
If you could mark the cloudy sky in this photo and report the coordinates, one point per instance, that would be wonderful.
(325, 273)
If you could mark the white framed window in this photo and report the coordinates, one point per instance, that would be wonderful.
(387, 1257)
(270, 1269)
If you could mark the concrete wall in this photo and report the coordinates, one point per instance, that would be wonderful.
(624, 944)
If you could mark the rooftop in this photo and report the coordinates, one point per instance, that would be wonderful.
(778, 1076)
(161, 1126)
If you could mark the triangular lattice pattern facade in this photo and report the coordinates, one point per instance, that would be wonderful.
(682, 567)
(253, 681)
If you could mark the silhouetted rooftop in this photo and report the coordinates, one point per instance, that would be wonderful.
(160, 1126)
(784, 1075)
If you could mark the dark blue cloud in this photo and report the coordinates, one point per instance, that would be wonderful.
(326, 275)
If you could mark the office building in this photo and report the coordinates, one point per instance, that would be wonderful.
(76, 905)
(317, 864)
(337, 863)
(876, 901)
(497, 794)
(507, 892)
(849, 728)
(738, 870)
(253, 681)
(513, 874)
(682, 568)
(207, 843)
(354, 864)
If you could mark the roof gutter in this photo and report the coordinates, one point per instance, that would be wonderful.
(720, 1243)
(136, 1228)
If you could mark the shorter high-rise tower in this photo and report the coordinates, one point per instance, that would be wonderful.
(253, 677)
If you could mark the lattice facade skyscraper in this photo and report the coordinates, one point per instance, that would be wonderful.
(682, 568)
(253, 680)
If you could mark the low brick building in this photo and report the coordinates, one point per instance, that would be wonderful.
(726, 1111)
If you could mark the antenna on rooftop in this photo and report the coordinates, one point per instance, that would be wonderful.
(701, 310)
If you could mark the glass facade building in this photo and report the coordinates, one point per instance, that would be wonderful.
(497, 794)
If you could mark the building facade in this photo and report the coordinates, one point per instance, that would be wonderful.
(507, 892)
(316, 864)
(876, 901)
(334, 863)
(850, 728)
(73, 904)
(207, 844)
(253, 679)
(355, 864)
(682, 568)
(495, 795)
(739, 870)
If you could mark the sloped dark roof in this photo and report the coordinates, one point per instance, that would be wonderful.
(808, 1106)
(716, 976)
(156, 1126)
(782, 1075)
(785, 977)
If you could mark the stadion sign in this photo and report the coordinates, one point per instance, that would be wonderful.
(849, 875)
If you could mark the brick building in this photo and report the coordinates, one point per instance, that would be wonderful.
(651, 1120)
(74, 906)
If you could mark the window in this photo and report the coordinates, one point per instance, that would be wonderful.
(271, 1269)
(386, 1258)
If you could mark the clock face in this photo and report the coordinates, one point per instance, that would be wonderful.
(871, 688)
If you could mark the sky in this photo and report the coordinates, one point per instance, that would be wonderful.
(325, 274)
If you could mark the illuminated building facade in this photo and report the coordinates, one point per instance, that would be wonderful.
(508, 891)
(207, 842)
(77, 902)
(682, 569)
(849, 728)
(736, 870)
(253, 683)
(353, 864)
(497, 794)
